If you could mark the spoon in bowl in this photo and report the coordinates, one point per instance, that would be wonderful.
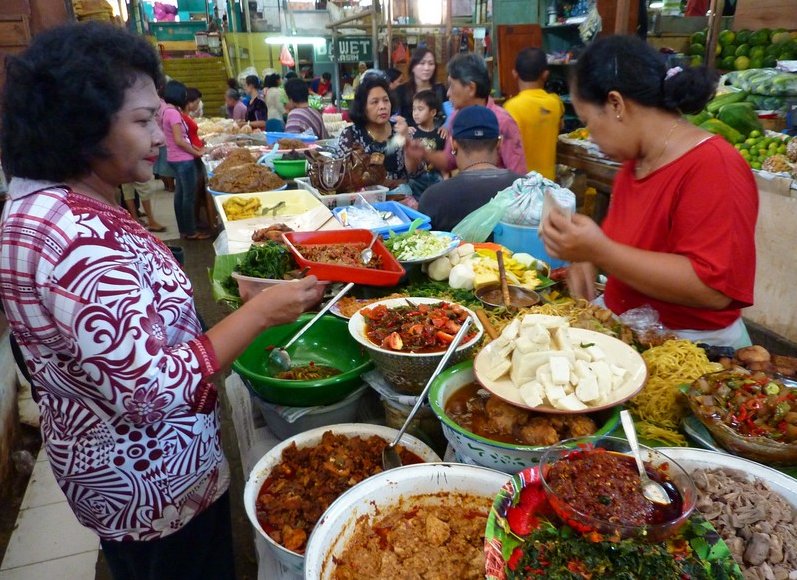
(368, 253)
(652, 490)
(278, 358)
(390, 457)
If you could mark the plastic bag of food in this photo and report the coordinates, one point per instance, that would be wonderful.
(644, 322)
(478, 225)
(764, 81)
(528, 194)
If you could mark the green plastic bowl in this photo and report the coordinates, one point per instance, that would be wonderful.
(288, 169)
(327, 342)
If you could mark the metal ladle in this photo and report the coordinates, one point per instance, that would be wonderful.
(279, 358)
(368, 253)
(390, 457)
(652, 490)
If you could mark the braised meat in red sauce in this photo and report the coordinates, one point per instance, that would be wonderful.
(477, 411)
(303, 485)
(419, 328)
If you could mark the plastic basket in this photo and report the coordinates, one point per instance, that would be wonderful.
(274, 136)
(372, 194)
(406, 214)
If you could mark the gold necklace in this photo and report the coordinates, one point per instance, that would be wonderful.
(374, 137)
(652, 164)
(493, 165)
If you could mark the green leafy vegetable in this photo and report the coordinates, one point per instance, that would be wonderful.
(269, 260)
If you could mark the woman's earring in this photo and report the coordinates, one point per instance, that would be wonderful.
(453, 152)
(619, 117)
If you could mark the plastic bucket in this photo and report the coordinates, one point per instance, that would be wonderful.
(524, 239)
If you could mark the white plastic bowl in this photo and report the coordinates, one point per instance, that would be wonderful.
(408, 372)
(291, 560)
(371, 497)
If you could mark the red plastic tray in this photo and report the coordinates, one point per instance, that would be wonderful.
(389, 275)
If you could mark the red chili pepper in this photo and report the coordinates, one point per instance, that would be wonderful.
(521, 519)
(514, 559)
(782, 426)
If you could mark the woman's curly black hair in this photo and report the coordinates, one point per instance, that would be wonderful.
(61, 95)
(370, 80)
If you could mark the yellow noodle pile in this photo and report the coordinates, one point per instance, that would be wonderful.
(660, 406)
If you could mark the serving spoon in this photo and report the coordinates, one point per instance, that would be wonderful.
(390, 457)
(368, 253)
(279, 359)
(652, 490)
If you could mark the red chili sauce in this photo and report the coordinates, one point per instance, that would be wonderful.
(605, 485)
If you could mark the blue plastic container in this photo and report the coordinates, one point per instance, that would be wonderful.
(406, 214)
(524, 239)
(274, 136)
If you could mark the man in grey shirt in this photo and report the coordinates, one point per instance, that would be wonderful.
(475, 138)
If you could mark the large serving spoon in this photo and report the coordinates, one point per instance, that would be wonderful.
(367, 254)
(390, 457)
(652, 490)
(279, 359)
(499, 256)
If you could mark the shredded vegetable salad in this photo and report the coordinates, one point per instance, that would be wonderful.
(417, 245)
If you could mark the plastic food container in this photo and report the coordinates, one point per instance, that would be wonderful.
(290, 168)
(344, 411)
(389, 275)
(293, 561)
(249, 286)
(406, 214)
(274, 136)
(372, 194)
(296, 201)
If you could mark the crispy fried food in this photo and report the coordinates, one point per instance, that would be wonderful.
(290, 143)
(241, 208)
(236, 157)
(245, 179)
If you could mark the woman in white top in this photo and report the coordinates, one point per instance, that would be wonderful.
(273, 95)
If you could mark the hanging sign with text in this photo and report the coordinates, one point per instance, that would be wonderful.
(349, 49)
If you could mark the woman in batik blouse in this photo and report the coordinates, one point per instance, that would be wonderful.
(105, 317)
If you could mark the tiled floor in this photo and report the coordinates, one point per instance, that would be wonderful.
(48, 541)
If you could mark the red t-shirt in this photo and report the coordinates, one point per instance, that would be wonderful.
(193, 131)
(703, 206)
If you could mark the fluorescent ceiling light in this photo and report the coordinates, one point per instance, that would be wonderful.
(316, 40)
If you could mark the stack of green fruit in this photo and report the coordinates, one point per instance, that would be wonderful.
(757, 148)
(746, 48)
(733, 118)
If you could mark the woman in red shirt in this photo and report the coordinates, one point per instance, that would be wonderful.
(679, 234)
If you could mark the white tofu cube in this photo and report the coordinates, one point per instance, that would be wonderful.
(524, 366)
(561, 337)
(555, 393)
(537, 334)
(526, 346)
(582, 368)
(604, 376)
(587, 389)
(545, 320)
(510, 331)
(532, 393)
(560, 370)
(618, 371)
(498, 369)
(596, 352)
(570, 403)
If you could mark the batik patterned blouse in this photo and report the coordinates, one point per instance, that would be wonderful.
(106, 321)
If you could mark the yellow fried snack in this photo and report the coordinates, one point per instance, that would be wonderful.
(241, 208)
